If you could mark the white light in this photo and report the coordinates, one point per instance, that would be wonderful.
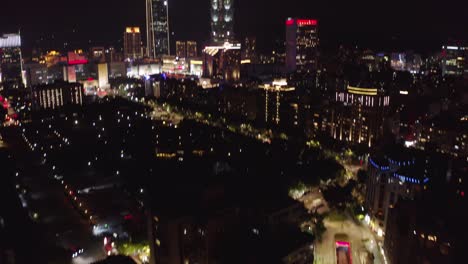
(380, 232)
(367, 219)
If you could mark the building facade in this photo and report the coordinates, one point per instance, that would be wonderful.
(418, 233)
(157, 26)
(181, 49)
(358, 115)
(192, 51)
(222, 62)
(57, 95)
(249, 53)
(11, 62)
(301, 45)
(132, 43)
(278, 108)
(222, 21)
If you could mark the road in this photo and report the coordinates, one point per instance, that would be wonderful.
(360, 237)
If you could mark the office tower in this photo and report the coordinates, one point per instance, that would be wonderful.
(181, 51)
(222, 21)
(11, 62)
(454, 60)
(278, 109)
(301, 45)
(249, 49)
(157, 27)
(132, 43)
(192, 49)
(358, 115)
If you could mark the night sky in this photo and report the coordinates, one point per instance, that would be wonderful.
(399, 24)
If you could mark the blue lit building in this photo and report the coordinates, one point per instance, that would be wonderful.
(391, 177)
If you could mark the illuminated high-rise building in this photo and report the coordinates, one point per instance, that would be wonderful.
(301, 45)
(157, 27)
(132, 43)
(181, 49)
(222, 21)
(359, 115)
(192, 49)
(11, 62)
(249, 50)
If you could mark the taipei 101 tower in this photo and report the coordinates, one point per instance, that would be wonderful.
(222, 21)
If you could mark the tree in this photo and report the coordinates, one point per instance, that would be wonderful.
(361, 176)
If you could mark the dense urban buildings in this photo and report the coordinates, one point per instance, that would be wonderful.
(157, 28)
(454, 60)
(198, 142)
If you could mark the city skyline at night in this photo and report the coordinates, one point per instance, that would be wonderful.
(233, 131)
(416, 27)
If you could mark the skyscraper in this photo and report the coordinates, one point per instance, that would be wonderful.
(222, 21)
(132, 43)
(249, 49)
(301, 45)
(157, 27)
(11, 63)
(192, 49)
(181, 51)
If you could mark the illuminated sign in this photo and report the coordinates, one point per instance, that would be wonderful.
(306, 22)
(301, 22)
(132, 30)
(213, 50)
(77, 62)
(404, 92)
(10, 41)
(342, 244)
(74, 58)
(196, 62)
